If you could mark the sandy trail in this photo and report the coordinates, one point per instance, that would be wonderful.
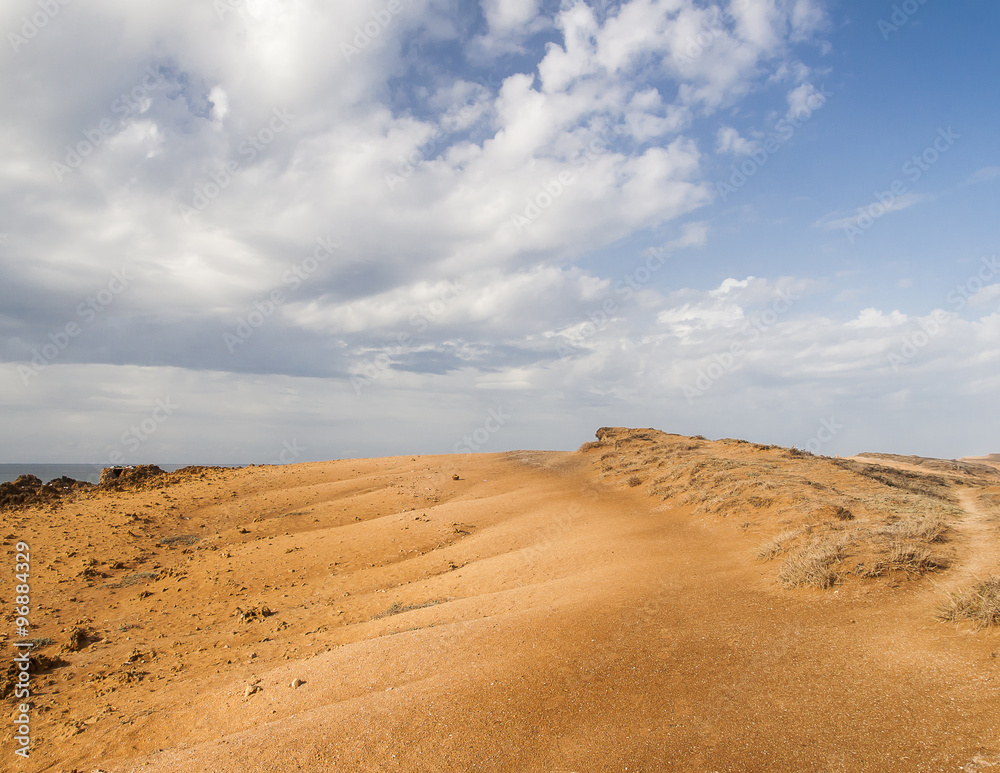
(981, 533)
(570, 626)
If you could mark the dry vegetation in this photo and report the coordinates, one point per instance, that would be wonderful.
(989, 503)
(979, 603)
(828, 520)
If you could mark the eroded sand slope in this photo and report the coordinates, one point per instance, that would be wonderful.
(626, 607)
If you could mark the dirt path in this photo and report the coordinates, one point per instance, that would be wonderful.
(981, 535)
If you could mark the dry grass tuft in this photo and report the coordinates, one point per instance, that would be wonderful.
(926, 528)
(913, 559)
(813, 565)
(990, 502)
(777, 545)
(979, 603)
(398, 609)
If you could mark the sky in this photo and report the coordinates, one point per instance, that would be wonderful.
(271, 231)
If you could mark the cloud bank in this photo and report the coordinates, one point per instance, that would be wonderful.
(364, 225)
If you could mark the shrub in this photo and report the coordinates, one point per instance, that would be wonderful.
(813, 564)
(979, 603)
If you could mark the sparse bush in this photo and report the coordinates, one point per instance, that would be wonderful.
(913, 559)
(979, 603)
(813, 564)
(928, 528)
(869, 572)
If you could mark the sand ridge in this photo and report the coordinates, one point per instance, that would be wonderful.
(545, 611)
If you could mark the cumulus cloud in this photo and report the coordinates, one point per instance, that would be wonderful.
(728, 140)
(509, 24)
(328, 218)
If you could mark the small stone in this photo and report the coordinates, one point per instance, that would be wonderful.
(297, 682)
(250, 690)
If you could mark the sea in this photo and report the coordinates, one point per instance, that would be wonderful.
(87, 472)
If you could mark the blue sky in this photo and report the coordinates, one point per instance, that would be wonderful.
(237, 228)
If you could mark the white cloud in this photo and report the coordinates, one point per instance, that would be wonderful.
(836, 221)
(510, 24)
(613, 105)
(728, 140)
(987, 296)
(807, 17)
(636, 361)
(505, 16)
(802, 100)
(692, 235)
(986, 174)
(875, 318)
(220, 102)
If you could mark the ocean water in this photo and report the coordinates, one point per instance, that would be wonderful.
(88, 472)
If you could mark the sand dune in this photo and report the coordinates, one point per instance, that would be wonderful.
(652, 602)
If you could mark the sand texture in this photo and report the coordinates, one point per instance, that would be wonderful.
(651, 602)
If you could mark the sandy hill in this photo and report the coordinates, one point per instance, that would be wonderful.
(993, 459)
(651, 602)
